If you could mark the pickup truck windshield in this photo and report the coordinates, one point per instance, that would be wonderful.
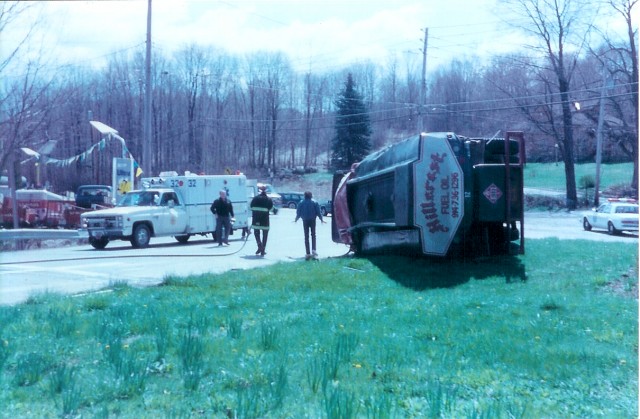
(143, 198)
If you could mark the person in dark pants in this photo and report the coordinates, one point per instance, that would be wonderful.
(222, 209)
(308, 210)
(261, 204)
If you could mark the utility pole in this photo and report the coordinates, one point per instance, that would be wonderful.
(146, 141)
(605, 82)
(13, 185)
(423, 84)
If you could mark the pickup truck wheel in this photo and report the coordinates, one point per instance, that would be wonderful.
(183, 239)
(141, 236)
(98, 243)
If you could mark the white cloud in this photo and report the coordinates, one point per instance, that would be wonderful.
(323, 34)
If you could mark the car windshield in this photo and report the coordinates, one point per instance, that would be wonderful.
(94, 191)
(627, 209)
(140, 198)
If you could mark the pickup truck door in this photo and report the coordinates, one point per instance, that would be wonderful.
(174, 216)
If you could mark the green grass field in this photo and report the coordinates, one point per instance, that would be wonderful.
(550, 176)
(536, 175)
(553, 333)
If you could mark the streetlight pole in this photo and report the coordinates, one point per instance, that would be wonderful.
(423, 84)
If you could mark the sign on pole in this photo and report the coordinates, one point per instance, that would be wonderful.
(122, 177)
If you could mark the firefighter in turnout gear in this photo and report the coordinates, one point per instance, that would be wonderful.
(261, 204)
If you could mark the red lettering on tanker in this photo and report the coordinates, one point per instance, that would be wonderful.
(441, 196)
(430, 208)
(455, 194)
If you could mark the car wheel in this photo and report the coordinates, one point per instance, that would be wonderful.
(98, 243)
(585, 223)
(141, 236)
(292, 205)
(183, 239)
(323, 211)
(611, 229)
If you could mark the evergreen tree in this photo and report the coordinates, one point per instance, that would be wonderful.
(353, 128)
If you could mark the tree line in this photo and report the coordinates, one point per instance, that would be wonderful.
(214, 111)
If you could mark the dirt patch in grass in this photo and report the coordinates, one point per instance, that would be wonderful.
(625, 286)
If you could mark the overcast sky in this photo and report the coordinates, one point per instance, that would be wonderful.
(320, 35)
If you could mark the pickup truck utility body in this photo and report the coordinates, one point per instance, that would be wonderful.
(167, 205)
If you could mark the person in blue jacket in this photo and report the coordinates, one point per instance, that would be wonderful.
(308, 210)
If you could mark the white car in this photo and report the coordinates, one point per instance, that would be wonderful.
(615, 216)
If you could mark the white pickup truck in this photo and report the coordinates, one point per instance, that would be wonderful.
(172, 205)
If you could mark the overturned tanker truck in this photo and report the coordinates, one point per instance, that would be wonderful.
(436, 194)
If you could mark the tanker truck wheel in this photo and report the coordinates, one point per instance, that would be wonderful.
(141, 236)
(100, 243)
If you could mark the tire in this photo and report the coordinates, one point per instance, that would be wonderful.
(141, 236)
(611, 229)
(586, 225)
(292, 205)
(356, 241)
(183, 239)
(98, 243)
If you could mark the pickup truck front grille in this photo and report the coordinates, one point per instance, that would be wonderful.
(102, 222)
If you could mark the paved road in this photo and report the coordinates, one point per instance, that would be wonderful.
(79, 269)
(567, 225)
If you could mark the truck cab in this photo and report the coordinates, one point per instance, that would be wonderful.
(138, 216)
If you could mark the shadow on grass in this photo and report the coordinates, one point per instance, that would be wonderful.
(424, 273)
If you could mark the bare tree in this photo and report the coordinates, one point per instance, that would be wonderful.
(558, 27)
(314, 88)
(452, 90)
(24, 103)
(218, 80)
(191, 68)
(269, 75)
(621, 61)
(18, 94)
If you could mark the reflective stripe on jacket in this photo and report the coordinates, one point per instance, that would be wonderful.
(260, 206)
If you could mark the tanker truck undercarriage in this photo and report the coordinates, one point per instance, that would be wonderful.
(434, 194)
